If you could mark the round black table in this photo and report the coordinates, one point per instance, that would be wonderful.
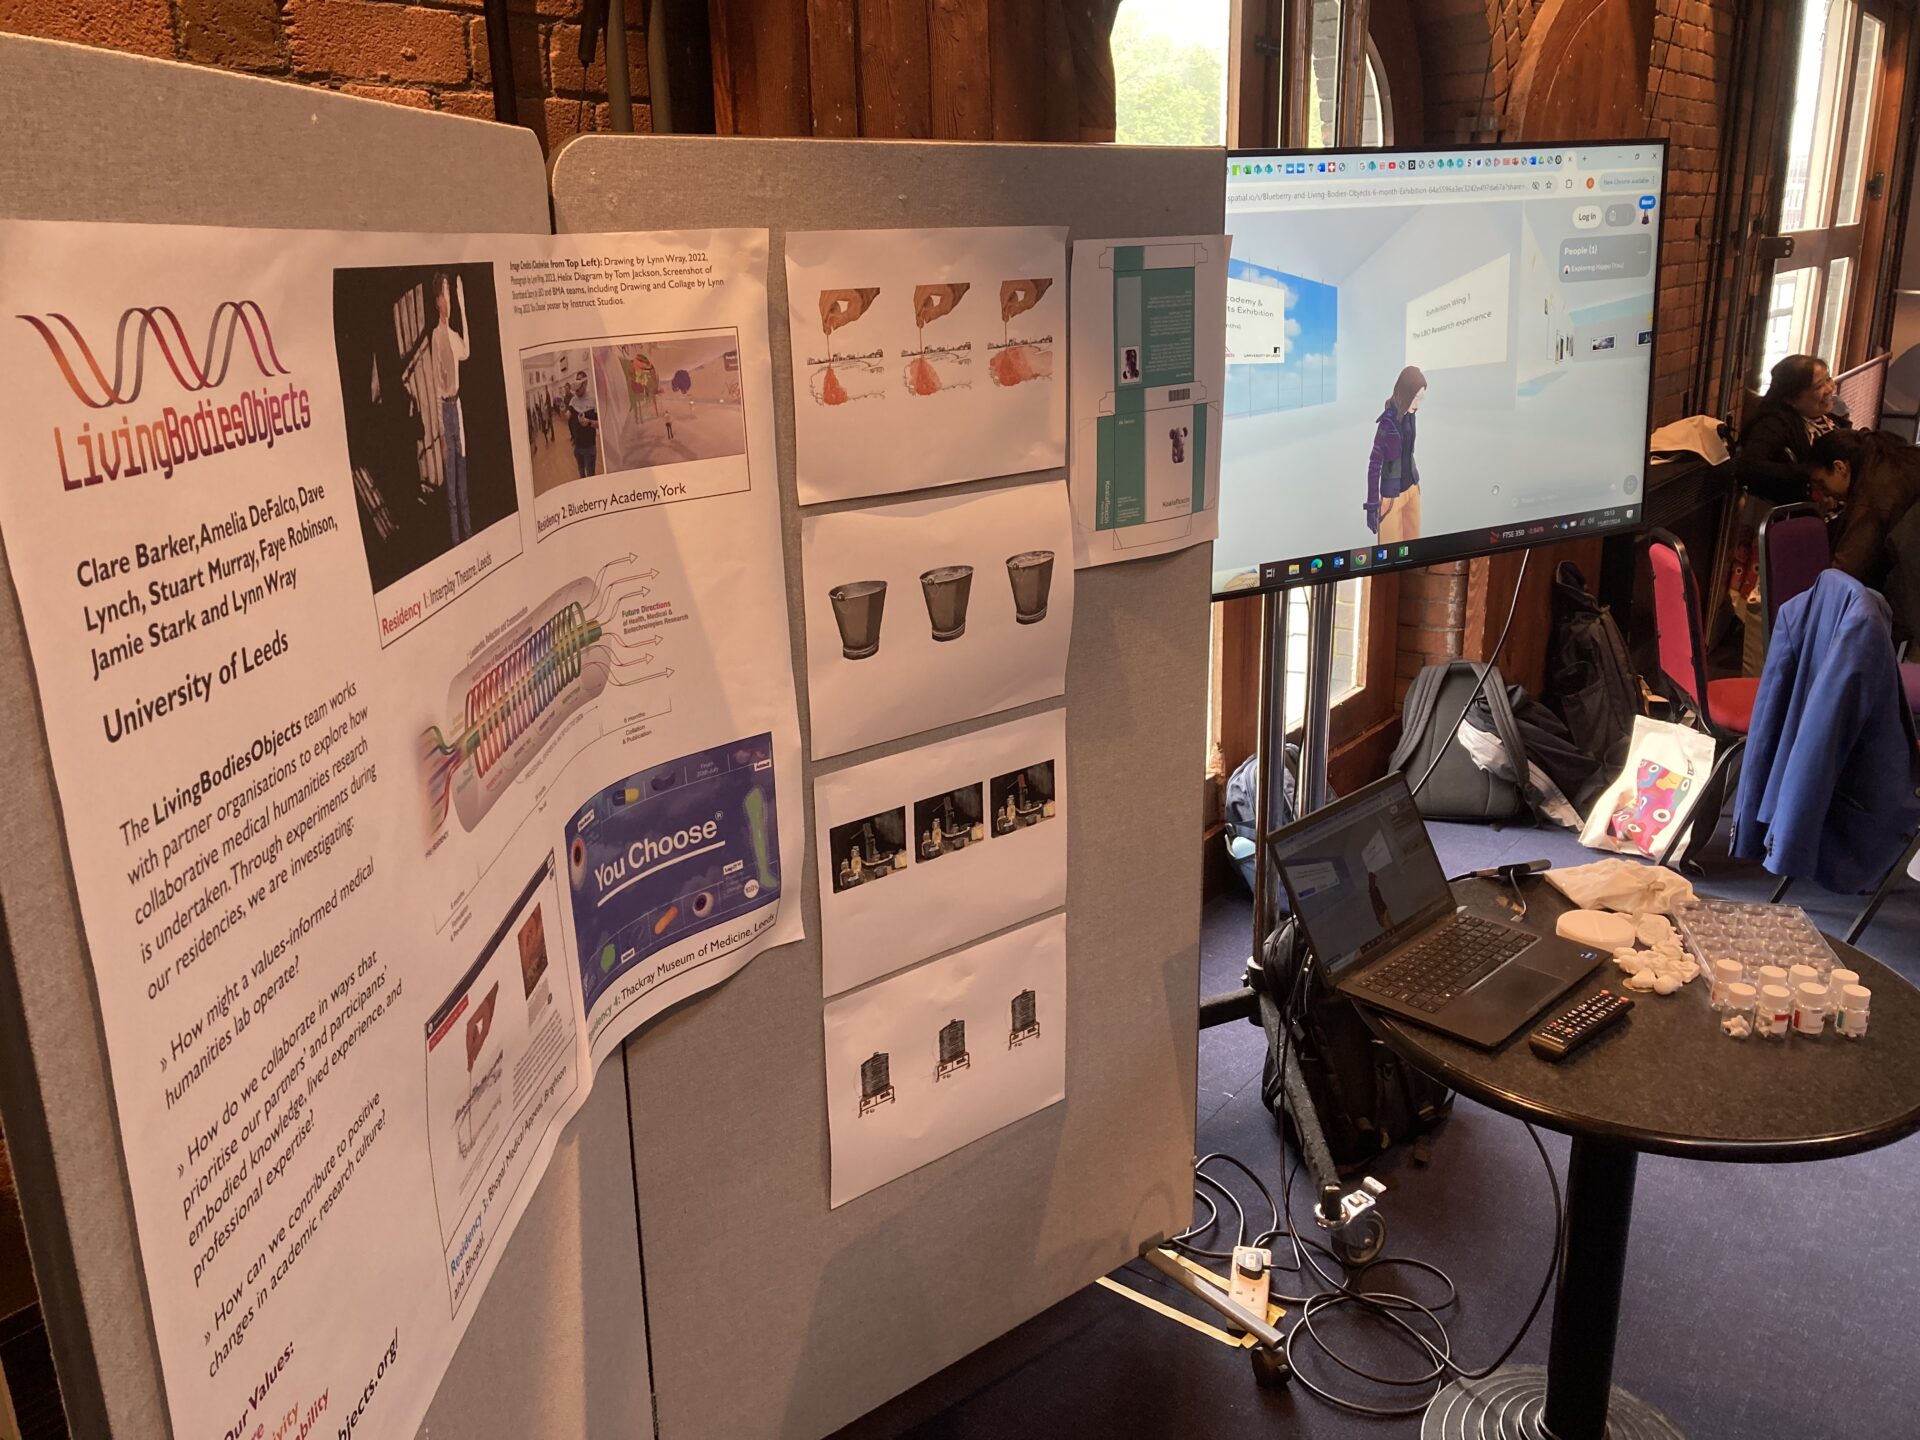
(1666, 1082)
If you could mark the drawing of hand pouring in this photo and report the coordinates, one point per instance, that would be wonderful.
(930, 302)
(1019, 296)
(843, 307)
(1013, 363)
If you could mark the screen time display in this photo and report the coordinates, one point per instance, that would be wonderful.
(1433, 354)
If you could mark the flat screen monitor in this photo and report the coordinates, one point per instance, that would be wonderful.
(1433, 354)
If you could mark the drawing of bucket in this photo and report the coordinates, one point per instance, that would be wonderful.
(1031, 573)
(857, 607)
(946, 590)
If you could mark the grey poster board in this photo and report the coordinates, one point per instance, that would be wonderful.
(556, 1347)
(772, 1315)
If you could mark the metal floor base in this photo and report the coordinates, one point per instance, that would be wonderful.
(1508, 1405)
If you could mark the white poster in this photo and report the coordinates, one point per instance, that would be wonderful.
(931, 611)
(1150, 322)
(922, 357)
(409, 623)
(938, 1056)
(1463, 322)
(968, 835)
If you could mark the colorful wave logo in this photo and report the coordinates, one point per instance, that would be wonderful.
(231, 318)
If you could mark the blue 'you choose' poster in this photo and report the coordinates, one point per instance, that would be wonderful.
(670, 852)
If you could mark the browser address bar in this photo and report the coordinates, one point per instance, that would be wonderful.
(1391, 192)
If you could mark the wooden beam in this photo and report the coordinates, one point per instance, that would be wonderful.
(1017, 51)
(960, 63)
(833, 64)
(896, 96)
(1090, 46)
(760, 67)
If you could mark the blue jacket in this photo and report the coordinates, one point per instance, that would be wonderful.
(1828, 781)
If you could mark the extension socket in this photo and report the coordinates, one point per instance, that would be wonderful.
(1251, 1278)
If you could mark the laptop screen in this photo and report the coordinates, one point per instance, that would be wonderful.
(1362, 874)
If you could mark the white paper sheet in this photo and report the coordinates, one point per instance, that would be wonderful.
(931, 611)
(922, 357)
(1149, 379)
(404, 769)
(940, 1055)
(929, 849)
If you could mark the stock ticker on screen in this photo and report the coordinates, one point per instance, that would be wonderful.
(1433, 355)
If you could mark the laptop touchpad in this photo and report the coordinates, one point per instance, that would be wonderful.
(1518, 986)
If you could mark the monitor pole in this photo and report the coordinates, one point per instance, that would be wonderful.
(1270, 735)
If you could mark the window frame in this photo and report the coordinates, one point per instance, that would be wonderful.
(1266, 111)
(1819, 245)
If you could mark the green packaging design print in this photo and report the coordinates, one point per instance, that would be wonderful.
(670, 852)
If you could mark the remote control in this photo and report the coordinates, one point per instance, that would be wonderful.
(1564, 1034)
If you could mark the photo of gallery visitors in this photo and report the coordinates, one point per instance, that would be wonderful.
(632, 404)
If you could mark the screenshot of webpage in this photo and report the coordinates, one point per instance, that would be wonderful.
(1432, 354)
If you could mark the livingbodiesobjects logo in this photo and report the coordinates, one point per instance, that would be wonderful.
(236, 329)
(231, 318)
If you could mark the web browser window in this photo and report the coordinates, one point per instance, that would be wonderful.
(1433, 354)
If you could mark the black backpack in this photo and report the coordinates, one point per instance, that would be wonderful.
(1458, 789)
(1366, 1098)
(1590, 680)
(1552, 751)
(1243, 799)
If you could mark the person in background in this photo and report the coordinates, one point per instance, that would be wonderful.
(583, 426)
(1393, 480)
(1776, 439)
(446, 352)
(1864, 482)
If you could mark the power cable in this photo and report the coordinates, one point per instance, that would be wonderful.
(1396, 1308)
(1480, 685)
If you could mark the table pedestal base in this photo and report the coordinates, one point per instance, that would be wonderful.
(1511, 1404)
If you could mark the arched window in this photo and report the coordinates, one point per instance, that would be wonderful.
(1376, 104)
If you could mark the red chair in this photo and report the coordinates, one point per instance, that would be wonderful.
(1791, 552)
(1721, 708)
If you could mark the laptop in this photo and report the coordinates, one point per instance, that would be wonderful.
(1368, 890)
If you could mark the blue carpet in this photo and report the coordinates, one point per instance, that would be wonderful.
(1762, 1302)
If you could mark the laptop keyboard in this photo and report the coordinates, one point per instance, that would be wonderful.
(1453, 958)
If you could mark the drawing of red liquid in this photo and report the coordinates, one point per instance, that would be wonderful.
(1019, 363)
(831, 390)
(922, 377)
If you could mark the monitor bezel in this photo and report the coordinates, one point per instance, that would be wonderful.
(1467, 549)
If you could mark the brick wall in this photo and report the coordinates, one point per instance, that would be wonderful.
(1470, 53)
(1687, 103)
(1432, 621)
(432, 56)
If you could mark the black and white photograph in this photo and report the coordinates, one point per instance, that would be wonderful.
(949, 821)
(425, 403)
(1022, 797)
(868, 849)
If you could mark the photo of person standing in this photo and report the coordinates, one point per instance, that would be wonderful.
(424, 397)
(1393, 479)
(446, 352)
(583, 426)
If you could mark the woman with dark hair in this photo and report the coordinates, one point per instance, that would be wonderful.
(1775, 439)
(1865, 482)
(1393, 480)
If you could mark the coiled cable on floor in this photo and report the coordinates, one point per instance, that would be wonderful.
(1396, 1309)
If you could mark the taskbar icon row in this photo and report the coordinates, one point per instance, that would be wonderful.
(1340, 564)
